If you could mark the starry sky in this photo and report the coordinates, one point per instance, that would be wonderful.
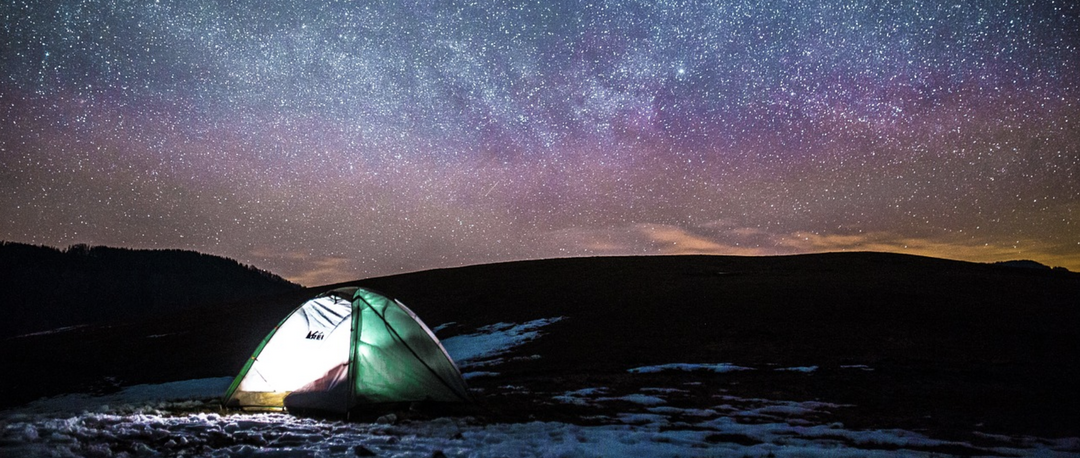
(330, 141)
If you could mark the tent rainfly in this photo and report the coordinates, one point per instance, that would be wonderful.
(344, 349)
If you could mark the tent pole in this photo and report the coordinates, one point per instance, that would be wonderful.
(354, 339)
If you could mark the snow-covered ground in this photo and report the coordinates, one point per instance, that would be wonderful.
(486, 346)
(719, 368)
(181, 419)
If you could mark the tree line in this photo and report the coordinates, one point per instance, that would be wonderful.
(44, 288)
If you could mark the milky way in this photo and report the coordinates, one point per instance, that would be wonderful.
(330, 141)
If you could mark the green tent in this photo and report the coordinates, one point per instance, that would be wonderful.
(343, 349)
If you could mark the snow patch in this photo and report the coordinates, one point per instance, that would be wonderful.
(490, 342)
(579, 397)
(587, 391)
(469, 375)
(51, 331)
(663, 390)
(649, 419)
(188, 393)
(718, 368)
(668, 410)
(787, 410)
(440, 327)
(804, 369)
(643, 399)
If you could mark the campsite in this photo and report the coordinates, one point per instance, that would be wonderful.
(849, 354)
(520, 228)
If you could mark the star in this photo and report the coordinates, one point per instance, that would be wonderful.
(382, 138)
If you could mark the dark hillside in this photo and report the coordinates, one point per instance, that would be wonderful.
(939, 333)
(44, 288)
(697, 306)
(948, 345)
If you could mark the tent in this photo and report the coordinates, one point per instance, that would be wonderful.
(342, 350)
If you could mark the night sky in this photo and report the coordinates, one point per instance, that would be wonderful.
(335, 140)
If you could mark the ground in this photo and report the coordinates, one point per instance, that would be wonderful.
(841, 355)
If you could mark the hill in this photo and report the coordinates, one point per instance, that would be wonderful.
(43, 288)
(903, 341)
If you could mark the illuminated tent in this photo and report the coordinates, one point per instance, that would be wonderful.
(344, 349)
